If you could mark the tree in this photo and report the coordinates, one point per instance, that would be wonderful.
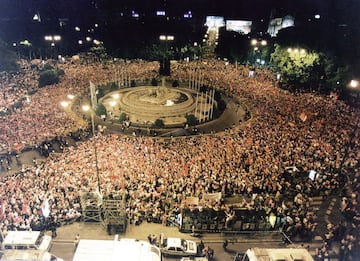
(8, 58)
(296, 66)
(191, 120)
(100, 109)
(154, 82)
(159, 123)
(308, 70)
(122, 117)
(48, 77)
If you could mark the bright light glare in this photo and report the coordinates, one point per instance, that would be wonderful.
(112, 103)
(70, 96)
(85, 107)
(48, 38)
(354, 83)
(64, 104)
(166, 37)
(253, 42)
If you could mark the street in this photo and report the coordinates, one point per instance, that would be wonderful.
(63, 244)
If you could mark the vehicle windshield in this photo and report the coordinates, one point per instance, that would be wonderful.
(184, 244)
(39, 240)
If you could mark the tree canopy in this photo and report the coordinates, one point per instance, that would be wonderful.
(8, 58)
(305, 69)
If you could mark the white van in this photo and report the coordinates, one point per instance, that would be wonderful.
(272, 254)
(23, 240)
(28, 255)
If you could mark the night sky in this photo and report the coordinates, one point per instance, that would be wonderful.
(340, 19)
(344, 11)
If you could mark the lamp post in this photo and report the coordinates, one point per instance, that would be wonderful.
(166, 39)
(87, 108)
(52, 39)
(258, 45)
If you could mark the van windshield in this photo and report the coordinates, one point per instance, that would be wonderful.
(39, 240)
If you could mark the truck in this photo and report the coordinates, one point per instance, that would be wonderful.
(117, 249)
(274, 254)
(26, 255)
(24, 240)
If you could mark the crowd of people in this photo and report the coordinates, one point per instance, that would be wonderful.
(309, 131)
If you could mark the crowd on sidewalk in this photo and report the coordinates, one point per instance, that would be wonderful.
(309, 131)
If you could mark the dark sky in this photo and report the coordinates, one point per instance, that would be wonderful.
(22, 9)
(16, 15)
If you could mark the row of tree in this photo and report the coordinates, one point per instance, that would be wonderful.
(298, 68)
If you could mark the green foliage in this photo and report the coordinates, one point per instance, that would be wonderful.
(175, 83)
(191, 120)
(157, 52)
(8, 58)
(60, 72)
(100, 93)
(113, 86)
(159, 123)
(47, 67)
(154, 82)
(48, 77)
(122, 117)
(307, 70)
(100, 109)
(296, 68)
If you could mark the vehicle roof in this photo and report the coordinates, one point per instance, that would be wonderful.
(24, 255)
(173, 241)
(21, 237)
(111, 250)
(276, 254)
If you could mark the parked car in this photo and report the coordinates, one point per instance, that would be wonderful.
(178, 247)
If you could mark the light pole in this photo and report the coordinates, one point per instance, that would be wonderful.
(258, 46)
(163, 68)
(87, 108)
(52, 39)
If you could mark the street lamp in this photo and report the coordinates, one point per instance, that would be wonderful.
(165, 69)
(52, 39)
(258, 46)
(87, 108)
(354, 84)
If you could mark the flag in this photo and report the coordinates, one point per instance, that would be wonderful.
(303, 116)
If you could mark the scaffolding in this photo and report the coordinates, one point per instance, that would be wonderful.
(114, 213)
(91, 206)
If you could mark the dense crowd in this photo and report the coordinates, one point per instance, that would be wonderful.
(157, 175)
